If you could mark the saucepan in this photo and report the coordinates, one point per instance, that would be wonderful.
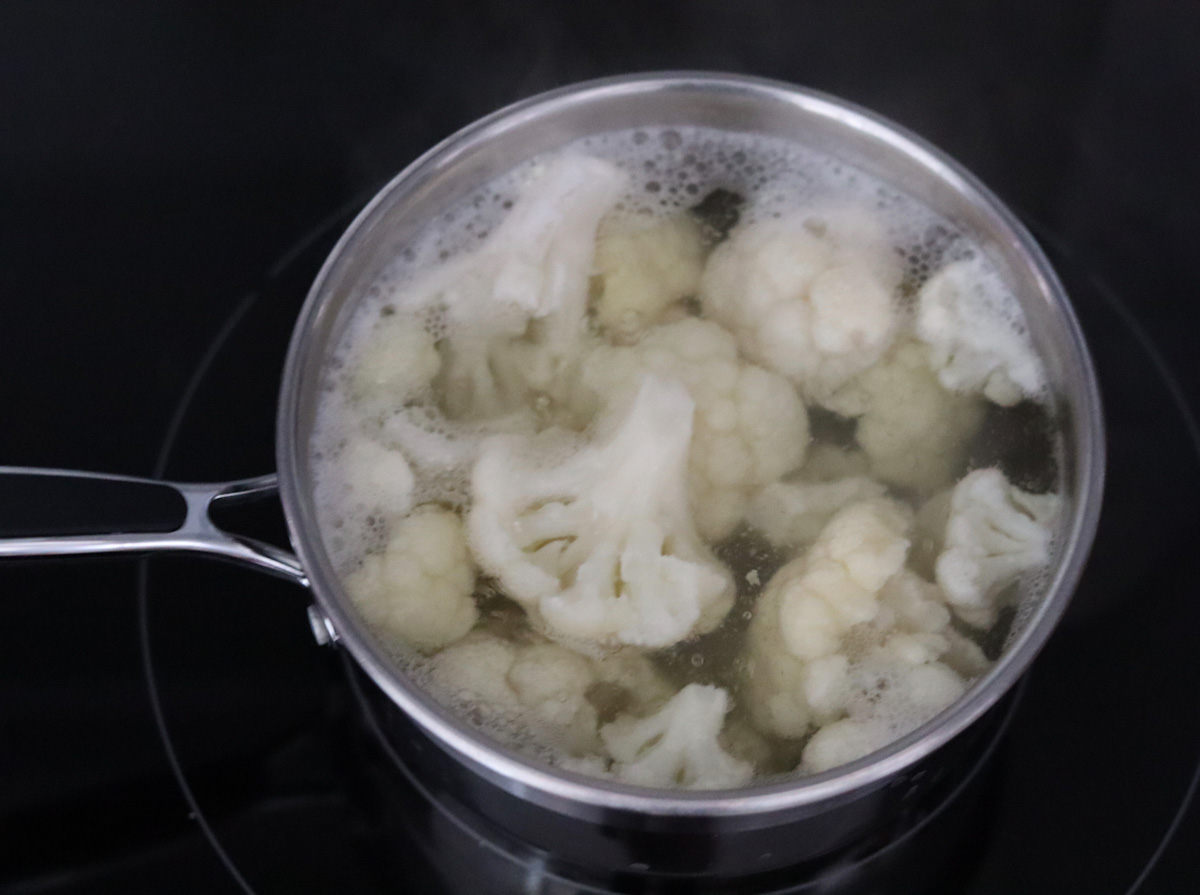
(755, 829)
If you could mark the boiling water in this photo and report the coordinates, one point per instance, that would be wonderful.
(720, 180)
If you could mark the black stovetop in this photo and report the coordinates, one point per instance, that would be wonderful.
(172, 174)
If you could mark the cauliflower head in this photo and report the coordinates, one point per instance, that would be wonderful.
(796, 669)
(907, 665)
(792, 514)
(419, 589)
(600, 546)
(524, 288)
(995, 533)
(913, 694)
(540, 684)
(378, 479)
(677, 746)
(398, 361)
(913, 431)
(890, 675)
(643, 269)
(843, 572)
(808, 296)
(750, 427)
(776, 681)
(627, 682)
(970, 320)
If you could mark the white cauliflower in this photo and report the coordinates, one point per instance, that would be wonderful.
(889, 675)
(525, 286)
(911, 604)
(514, 309)
(552, 683)
(842, 574)
(889, 698)
(636, 687)
(443, 451)
(914, 432)
(379, 480)
(973, 326)
(643, 269)
(914, 626)
(397, 362)
(419, 589)
(795, 668)
(995, 533)
(541, 684)
(808, 296)
(776, 686)
(749, 429)
(474, 671)
(905, 666)
(600, 546)
(677, 746)
(792, 514)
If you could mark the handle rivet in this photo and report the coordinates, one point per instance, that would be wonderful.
(322, 628)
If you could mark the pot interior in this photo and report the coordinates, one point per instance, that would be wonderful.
(478, 154)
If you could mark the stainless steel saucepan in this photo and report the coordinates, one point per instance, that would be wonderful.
(758, 828)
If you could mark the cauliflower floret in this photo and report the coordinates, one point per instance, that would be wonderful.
(776, 681)
(914, 431)
(912, 604)
(601, 546)
(634, 686)
(872, 654)
(899, 670)
(397, 362)
(679, 745)
(443, 451)
(746, 744)
(750, 427)
(525, 285)
(996, 532)
(474, 671)
(419, 589)
(808, 296)
(541, 683)
(914, 694)
(552, 682)
(971, 321)
(644, 269)
(836, 584)
(379, 480)
(795, 671)
(914, 625)
(792, 514)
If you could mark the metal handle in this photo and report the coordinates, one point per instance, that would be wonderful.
(52, 512)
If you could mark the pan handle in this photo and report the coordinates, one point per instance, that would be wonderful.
(53, 512)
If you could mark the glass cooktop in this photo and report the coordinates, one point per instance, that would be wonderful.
(171, 177)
